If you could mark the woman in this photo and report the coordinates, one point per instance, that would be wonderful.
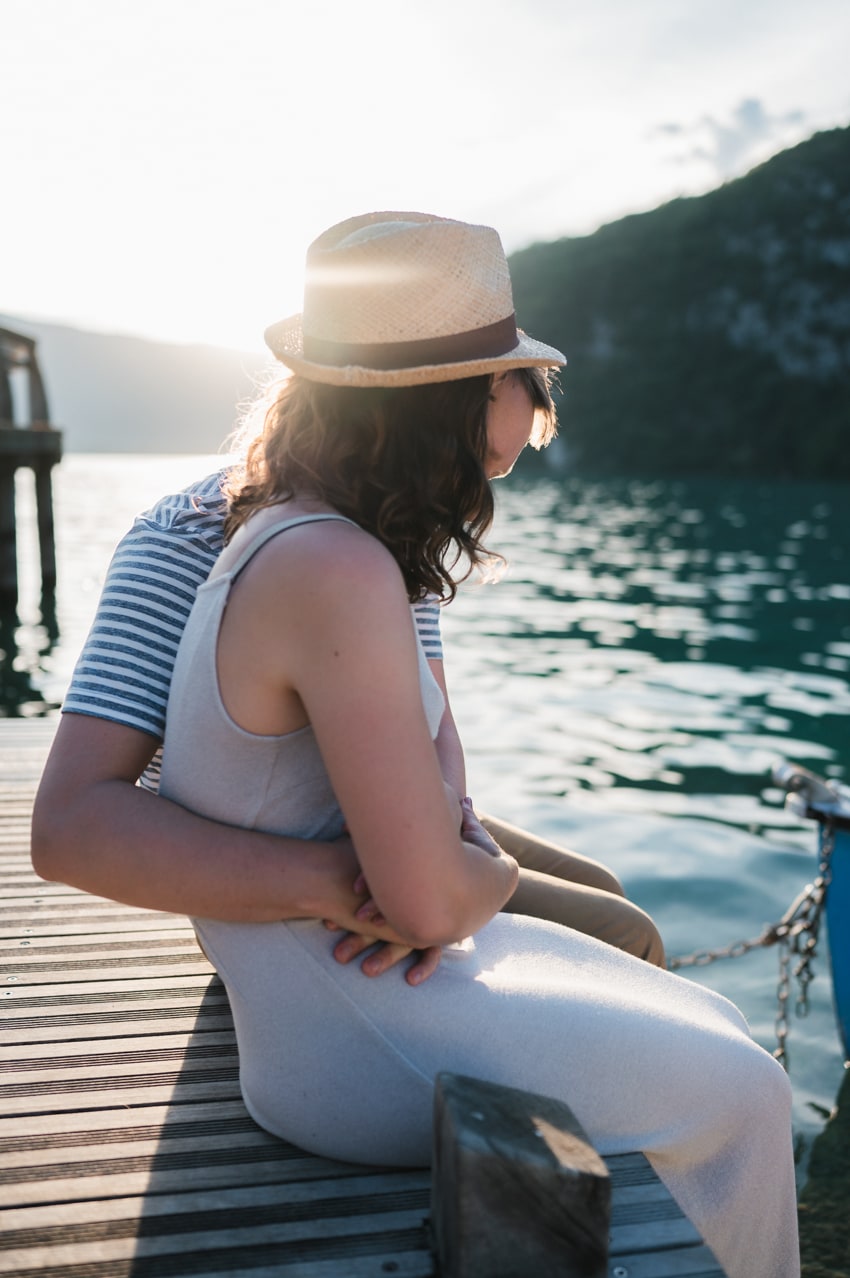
(302, 702)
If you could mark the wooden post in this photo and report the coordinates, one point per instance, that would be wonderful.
(39, 450)
(8, 540)
(38, 446)
(44, 514)
(517, 1188)
(38, 399)
(6, 405)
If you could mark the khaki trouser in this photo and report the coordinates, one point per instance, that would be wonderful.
(576, 892)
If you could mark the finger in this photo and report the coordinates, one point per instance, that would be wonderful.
(369, 913)
(387, 956)
(425, 966)
(352, 946)
(384, 958)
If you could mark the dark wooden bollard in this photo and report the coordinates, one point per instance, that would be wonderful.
(518, 1191)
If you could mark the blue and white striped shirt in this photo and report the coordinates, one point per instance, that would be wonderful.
(124, 671)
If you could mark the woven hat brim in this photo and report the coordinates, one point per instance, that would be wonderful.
(285, 341)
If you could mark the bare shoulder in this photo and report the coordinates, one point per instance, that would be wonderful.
(328, 566)
(331, 552)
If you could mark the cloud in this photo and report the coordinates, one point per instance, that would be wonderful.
(729, 148)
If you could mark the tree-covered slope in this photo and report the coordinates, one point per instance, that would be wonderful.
(712, 334)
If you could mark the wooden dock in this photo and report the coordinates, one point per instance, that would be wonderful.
(125, 1149)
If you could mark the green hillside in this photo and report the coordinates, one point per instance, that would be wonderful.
(711, 335)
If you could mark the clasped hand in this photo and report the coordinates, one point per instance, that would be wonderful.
(385, 954)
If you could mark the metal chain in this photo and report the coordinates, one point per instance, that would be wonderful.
(801, 940)
(795, 933)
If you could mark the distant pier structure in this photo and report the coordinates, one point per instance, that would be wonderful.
(31, 442)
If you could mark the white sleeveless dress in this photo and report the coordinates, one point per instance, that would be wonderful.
(344, 1066)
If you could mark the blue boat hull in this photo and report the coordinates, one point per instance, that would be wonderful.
(837, 916)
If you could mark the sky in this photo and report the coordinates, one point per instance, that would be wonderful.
(165, 164)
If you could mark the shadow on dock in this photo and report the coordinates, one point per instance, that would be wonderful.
(223, 1191)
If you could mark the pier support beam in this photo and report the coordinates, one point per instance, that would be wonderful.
(29, 442)
(46, 531)
(40, 449)
(8, 539)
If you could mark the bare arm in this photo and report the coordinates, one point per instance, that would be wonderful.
(353, 664)
(95, 829)
(453, 770)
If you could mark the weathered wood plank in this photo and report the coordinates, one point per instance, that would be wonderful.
(171, 1088)
(292, 1241)
(61, 1131)
(111, 1181)
(677, 1262)
(322, 1195)
(78, 925)
(73, 909)
(177, 968)
(90, 991)
(304, 1218)
(34, 961)
(55, 937)
(163, 1018)
(81, 1057)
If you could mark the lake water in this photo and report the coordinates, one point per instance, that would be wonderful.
(651, 651)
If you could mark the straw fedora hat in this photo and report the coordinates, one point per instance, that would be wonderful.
(399, 299)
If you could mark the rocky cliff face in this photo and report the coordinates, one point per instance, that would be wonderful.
(713, 334)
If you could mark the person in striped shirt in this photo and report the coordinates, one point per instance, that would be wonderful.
(95, 827)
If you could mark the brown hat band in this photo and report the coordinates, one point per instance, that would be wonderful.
(478, 343)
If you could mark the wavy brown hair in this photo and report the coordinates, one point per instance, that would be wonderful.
(405, 463)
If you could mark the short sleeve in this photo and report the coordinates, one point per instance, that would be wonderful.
(125, 668)
(426, 615)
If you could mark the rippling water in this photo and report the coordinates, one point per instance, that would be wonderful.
(651, 651)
